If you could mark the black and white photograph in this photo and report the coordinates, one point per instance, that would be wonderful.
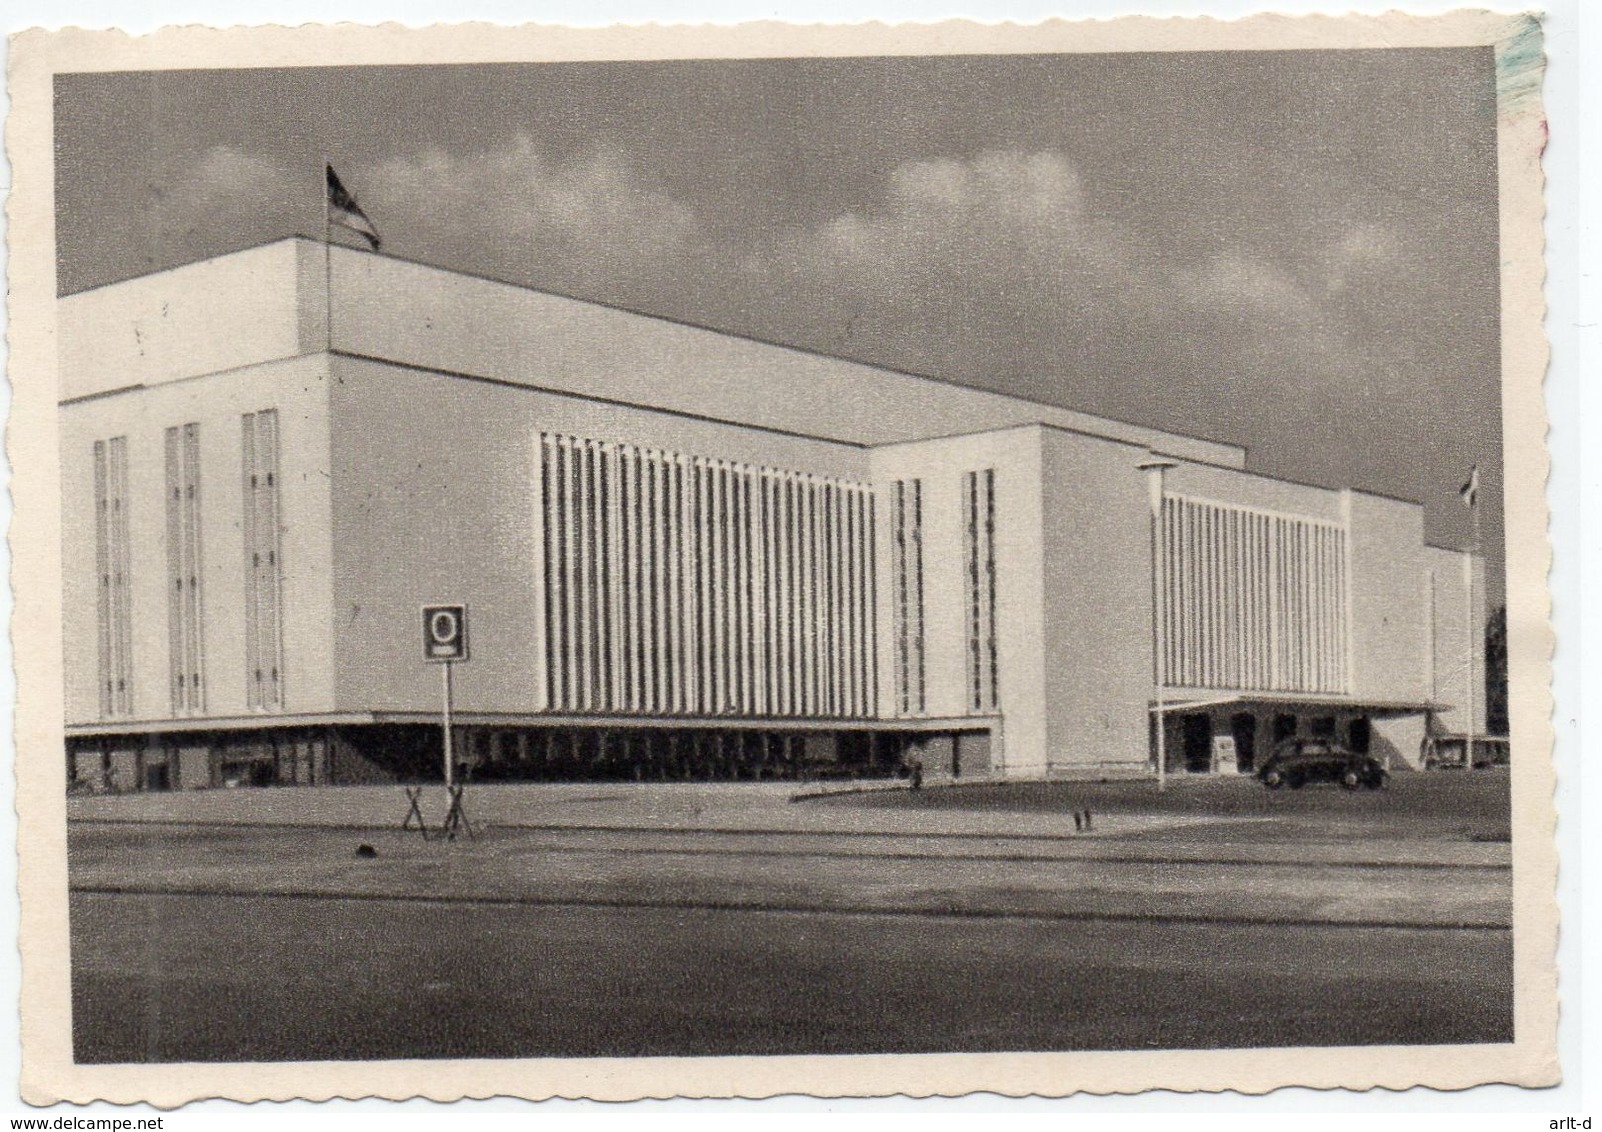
(585, 556)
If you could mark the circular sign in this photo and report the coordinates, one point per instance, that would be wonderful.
(444, 627)
(445, 632)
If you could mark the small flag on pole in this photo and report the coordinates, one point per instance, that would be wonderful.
(344, 211)
(1471, 490)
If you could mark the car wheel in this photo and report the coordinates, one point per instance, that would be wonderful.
(1351, 780)
(1374, 781)
(1273, 780)
(1294, 781)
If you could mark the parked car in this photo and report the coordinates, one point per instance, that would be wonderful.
(1296, 762)
(1445, 752)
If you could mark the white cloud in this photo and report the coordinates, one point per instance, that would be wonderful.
(231, 183)
(1002, 267)
(1362, 251)
(1246, 283)
(1006, 230)
(517, 210)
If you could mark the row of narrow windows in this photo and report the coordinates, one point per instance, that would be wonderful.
(672, 583)
(185, 569)
(1251, 599)
(680, 584)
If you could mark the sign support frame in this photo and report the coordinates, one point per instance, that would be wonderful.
(445, 644)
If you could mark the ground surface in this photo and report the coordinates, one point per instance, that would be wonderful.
(588, 920)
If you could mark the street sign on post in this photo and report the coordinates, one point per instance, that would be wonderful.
(444, 633)
(445, 643)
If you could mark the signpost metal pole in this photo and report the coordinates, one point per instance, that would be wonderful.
(1155, 469)
(450, 756)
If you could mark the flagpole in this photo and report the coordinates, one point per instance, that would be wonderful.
(328, 270)
(1468, 569)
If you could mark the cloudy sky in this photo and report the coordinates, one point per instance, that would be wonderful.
(1294, 251)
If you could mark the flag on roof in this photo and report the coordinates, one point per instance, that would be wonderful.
(1470, 490)
(344, 211)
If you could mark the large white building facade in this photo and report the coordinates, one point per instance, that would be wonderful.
(685, 554)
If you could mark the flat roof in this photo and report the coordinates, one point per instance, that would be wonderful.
(841, 382)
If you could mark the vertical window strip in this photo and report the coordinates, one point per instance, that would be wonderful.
(606, 530)
(605, 655)
(184, 630)
(846, 601)
(634, 630)
(740, 573)
(548, 575)
(1172, 609)
(864, 505)
(831, 612)
(1164, 609)
(177, 667)
(1186, 604)
(1208, 559)
(789, 702)
(853, 590)
(730, 519)
(718, 595)
(679, 531)
(919, 637)
(1228, 575)
(1321, 612)
(1338, 550)
(194, 597)
(970, 587)
(870, 543)
(593, 591)
(252, 520)
(778, 607)
(907, 533)
(806, 628)
(121, 590)
(105, 680)
(583, 577)
(272, 583)
(699, 563)
(263, 561)
(568, 516)
(737, 574)
(898, 611)
(651, 648)
(625, 627)
(760, 607)
(992, 639)
(113, 606)
(750, 592)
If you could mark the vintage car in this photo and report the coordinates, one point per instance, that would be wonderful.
(1296, 762)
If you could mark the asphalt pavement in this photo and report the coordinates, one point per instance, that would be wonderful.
(589, 920)
(225, 978)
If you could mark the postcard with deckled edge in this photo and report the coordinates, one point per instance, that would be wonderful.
(732, 561)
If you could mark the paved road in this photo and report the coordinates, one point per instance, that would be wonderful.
(601, 921)
(207, 978)
(1461, 809)
(1061, 878)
